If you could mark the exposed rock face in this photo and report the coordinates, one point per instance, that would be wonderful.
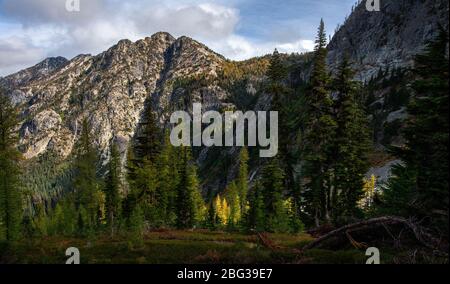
(110, 90)
(37, 133)
(389, 38)
(36, 72)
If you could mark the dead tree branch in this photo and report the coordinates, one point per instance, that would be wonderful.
(421, 234)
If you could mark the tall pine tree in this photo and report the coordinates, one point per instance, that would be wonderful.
(149, 138)
(255, 216)
(319, 134)
(10, 194)
(190, 206)
(419, 188)
(242, 179)
(86, 183)
(113, 188)
(352, 145)
(276, 219)
(167, 166)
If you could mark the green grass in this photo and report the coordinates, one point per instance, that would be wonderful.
(177, 247)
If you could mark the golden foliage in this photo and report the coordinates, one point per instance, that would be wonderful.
(369, 193)
(233, 70)
(222, 210)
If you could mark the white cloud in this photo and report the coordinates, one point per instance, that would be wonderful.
(32, 12)
(300, 45)
(239, 48)
(16, 53)
(53, 31)
(204, 21)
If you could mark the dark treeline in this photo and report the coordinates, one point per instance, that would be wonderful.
(158, 184)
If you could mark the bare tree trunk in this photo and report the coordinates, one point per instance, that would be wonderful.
(316, 217)
(111, 219)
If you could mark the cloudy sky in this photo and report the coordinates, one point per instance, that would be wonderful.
(31, 30)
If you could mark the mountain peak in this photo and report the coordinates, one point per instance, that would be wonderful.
(42, 69)
(164, 36)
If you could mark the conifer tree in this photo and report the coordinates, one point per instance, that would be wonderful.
(113, 188)
(86, 184)
(131, 198)
(131, 166)
(277, 72)
(40, 221)
(352, 146)
(136, 227)
(242, 179)
(62, 220)
(282, 98)
(212, 220)
(149, 138)
(57, 220)
(233, 199)
(256, 213)
(276, 215)
(167, 167)
(190, 205)
(222, 210)
(319, 134)
(69, 216)
(144, 162)
(217, 204)
(145, 186)
(419, 188)
(10, 194)
(295, 224)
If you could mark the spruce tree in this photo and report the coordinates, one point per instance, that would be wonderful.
(131, 197)
(69, 215)
(352, 145)
(255, 216)
(272, 182)
(149, 139)
(167, 168)
(190, 204)
(113, 188)
(57, 220)
(86, 183)
(136, 227)
(276, 72)
(233, 198)
(40, 221)
(145, 186)
(421, 184)
(212, 220)
(319, 134)
(144, 162)
(281, 94)
(242, 179)
(10, 193)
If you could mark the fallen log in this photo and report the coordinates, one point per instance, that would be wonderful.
(420, 233)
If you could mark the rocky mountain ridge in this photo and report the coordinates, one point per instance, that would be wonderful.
(387, 39)
(109, 89)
